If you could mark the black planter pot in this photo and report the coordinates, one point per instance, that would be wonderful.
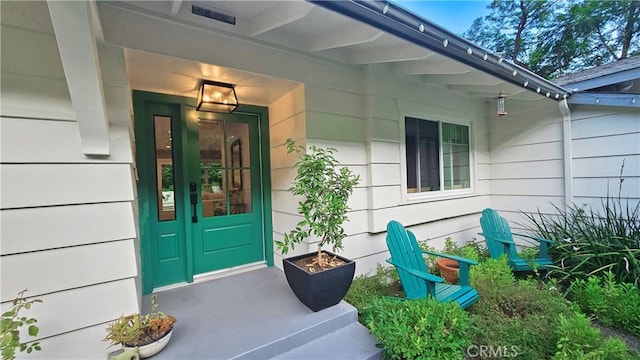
(322, 289)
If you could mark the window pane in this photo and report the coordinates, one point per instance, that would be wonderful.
(455, 155)
(411, 142)
(429, 152)
(164, 168)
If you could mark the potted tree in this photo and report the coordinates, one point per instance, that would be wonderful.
(319, 279)
(149, 333)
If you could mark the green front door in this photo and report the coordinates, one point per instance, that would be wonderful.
(226, 226)
(201, 189)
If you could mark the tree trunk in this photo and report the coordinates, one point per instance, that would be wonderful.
(632, 19)
(521, 26)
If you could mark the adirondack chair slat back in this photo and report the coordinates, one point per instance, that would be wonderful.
(405, 251)
(495, 226)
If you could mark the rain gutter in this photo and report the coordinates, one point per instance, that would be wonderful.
(404, 24)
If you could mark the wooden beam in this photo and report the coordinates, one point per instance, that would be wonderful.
(352, 34)
(387, 54)
(474, 77)
(429, 67)
(78, 52)
(279, 15)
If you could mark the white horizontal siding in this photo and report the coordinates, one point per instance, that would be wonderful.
(423, 212)
(23, 139)
(62, 226)
(528, 203)
(383, 152)
(20, 93)
(60, 184)
(65, 311)
(68, 223)
(87, 344)
(538, 169)
(615, 145)
(608, 167)
(602, 138)
(67, 268)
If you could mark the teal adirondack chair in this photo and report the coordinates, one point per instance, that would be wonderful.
(416, 280)
(499, 238)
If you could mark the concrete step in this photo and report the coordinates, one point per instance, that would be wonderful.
(351, 342)
(335, 318)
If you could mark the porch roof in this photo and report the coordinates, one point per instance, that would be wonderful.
(374, 34)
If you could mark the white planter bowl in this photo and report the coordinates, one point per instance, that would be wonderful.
(153, 348)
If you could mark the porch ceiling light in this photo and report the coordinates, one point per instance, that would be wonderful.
(216, 96)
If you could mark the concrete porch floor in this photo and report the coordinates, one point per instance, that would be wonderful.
(255, 315)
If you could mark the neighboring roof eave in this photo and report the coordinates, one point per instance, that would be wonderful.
(402, 23)
(604, 80)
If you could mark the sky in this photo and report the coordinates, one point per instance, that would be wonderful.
(454, 15)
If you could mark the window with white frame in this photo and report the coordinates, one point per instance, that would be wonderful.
(437, 155)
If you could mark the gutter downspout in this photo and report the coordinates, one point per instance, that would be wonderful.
(568, 154)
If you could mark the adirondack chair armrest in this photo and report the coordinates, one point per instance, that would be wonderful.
(539, 239)
(452, 257)
(416, 273)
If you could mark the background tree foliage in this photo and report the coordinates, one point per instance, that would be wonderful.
(553, 38)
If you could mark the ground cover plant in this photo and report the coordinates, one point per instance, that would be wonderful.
(613, 304)
(419, 329)
(577, 339)
(514, 313)
(526, 318)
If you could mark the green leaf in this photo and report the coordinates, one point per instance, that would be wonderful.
(33, 330)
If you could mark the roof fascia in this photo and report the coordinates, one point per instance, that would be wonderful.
(402, 23)
(626, 75)
(605, 99)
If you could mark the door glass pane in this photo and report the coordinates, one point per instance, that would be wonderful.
(164, 168)
(239, 164)
(212, 172)
(225, 176)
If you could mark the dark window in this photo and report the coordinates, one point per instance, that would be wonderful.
(437, 156)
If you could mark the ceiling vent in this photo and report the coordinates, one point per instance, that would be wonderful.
(211, 14)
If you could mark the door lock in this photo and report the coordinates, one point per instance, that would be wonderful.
(193, 187)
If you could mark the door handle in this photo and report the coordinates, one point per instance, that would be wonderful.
(194, 201)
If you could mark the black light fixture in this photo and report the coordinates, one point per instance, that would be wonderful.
(216, 96)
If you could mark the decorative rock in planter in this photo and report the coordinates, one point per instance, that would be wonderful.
(449, 269)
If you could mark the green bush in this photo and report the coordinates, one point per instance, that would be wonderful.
(365, 289)
(11, 322)
(613, 303)
(579, 340)
(517, 315)
(419, 329)
(591, 242)
(471, 250)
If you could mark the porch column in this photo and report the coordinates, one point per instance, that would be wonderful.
(76, 38)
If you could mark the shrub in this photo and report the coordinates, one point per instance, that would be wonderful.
(613, 303)
(579, 340)
(471, 250)
(589, 242)
(419, 329)
(365, 289)
(10, 323)
(514, 314)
